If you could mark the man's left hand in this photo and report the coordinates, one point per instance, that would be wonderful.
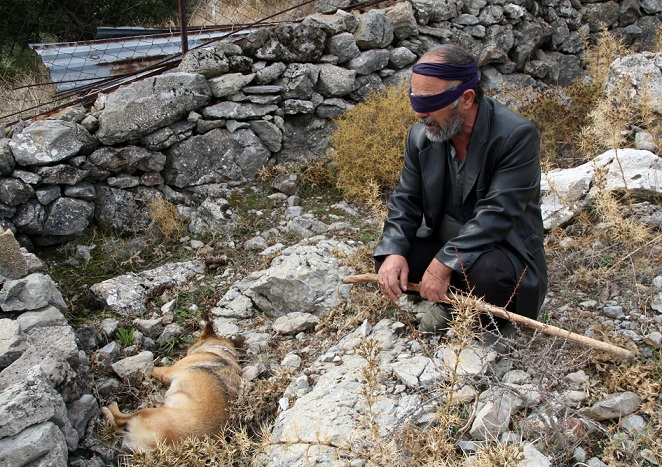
(435, 282)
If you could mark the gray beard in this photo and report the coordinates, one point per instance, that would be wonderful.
(440, 133)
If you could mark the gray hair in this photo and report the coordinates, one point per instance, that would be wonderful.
(453, 55)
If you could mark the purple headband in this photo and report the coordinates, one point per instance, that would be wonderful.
(468, 74)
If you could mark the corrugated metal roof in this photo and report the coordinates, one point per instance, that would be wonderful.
(75, 64)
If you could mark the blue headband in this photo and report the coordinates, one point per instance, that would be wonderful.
(467, 73)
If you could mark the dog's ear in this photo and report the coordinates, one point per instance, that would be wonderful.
(208, 331)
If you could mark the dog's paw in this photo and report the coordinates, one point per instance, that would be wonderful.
(108, 414)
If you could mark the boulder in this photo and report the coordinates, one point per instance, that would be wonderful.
(140, 108)
(48, 141)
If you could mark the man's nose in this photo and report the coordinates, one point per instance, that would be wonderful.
(421, 114)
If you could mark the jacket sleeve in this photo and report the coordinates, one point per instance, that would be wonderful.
(405, 205)
(514, 183)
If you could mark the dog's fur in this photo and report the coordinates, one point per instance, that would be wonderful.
(202, 385)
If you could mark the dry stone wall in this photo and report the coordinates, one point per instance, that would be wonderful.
(233, 107)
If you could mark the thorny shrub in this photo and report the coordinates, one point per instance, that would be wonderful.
(367, 145)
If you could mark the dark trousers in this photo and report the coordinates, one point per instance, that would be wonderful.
(492, 276)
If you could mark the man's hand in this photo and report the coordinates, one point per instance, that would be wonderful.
(435, 282)
(393, 275)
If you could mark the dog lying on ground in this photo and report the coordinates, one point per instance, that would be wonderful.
(201, 387)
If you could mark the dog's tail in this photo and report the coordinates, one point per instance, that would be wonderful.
(115, 417)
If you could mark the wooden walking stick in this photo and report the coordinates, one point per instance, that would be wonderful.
(519, 319)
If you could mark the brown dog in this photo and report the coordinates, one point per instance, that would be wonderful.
(202, 385)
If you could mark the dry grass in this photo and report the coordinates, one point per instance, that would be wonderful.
(599, 56)
(20, 96)
(235, 450)
(217, 12)
(557, 113)
(367, 145)
(614, 116)
(163, 216)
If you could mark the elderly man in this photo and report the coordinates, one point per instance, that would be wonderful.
(466, 212)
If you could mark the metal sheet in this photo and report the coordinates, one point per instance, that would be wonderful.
(75, 64)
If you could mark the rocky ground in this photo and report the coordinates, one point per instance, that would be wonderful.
(347, 348)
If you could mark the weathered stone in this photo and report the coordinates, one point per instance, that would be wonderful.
(337, 23)
(400, 57)
(286, 183)
(331, 6)
(209, 61)
(304, 138)
(215, 157)
(30, 293)
(48, 141)
(402, 17)
(81, 411)
(210, 216)
(268, 74)
(366, 85)
(7, 162)
(166, 137)
(44, 317)
(369, 61)
(335, 81)
(642, 73)
(30, 218)
(26, 177)
(238, 111)
(129, 293)
(68, 216)
(343, 46)
(122, 209)
(128, 159)
(269, 133)
(296, 281)
(38, 445)
(494, 413)
(375, 30)
(140, 108)
(331, 108)
(417, 371)
(62, 174)
(151, 179)
(12, 342)
(46, 195)
(229, 84)
(531, 35)
(296, 106)
(470, 362)
(294, 323)
(84, 191)
(13, 264)
(615, 405)
(136, 367)
(149, 327)
(27, 403)
(6, 211)
(289, 43)
(600, 15)
(123, 181)
(14, 192)
(432, 11)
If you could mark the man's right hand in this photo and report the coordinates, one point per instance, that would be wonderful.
(393, 275)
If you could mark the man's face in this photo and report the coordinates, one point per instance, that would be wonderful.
(442, 124)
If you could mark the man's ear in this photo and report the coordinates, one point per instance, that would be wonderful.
(468, 98)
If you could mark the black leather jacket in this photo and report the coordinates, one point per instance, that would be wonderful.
(501, 199)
